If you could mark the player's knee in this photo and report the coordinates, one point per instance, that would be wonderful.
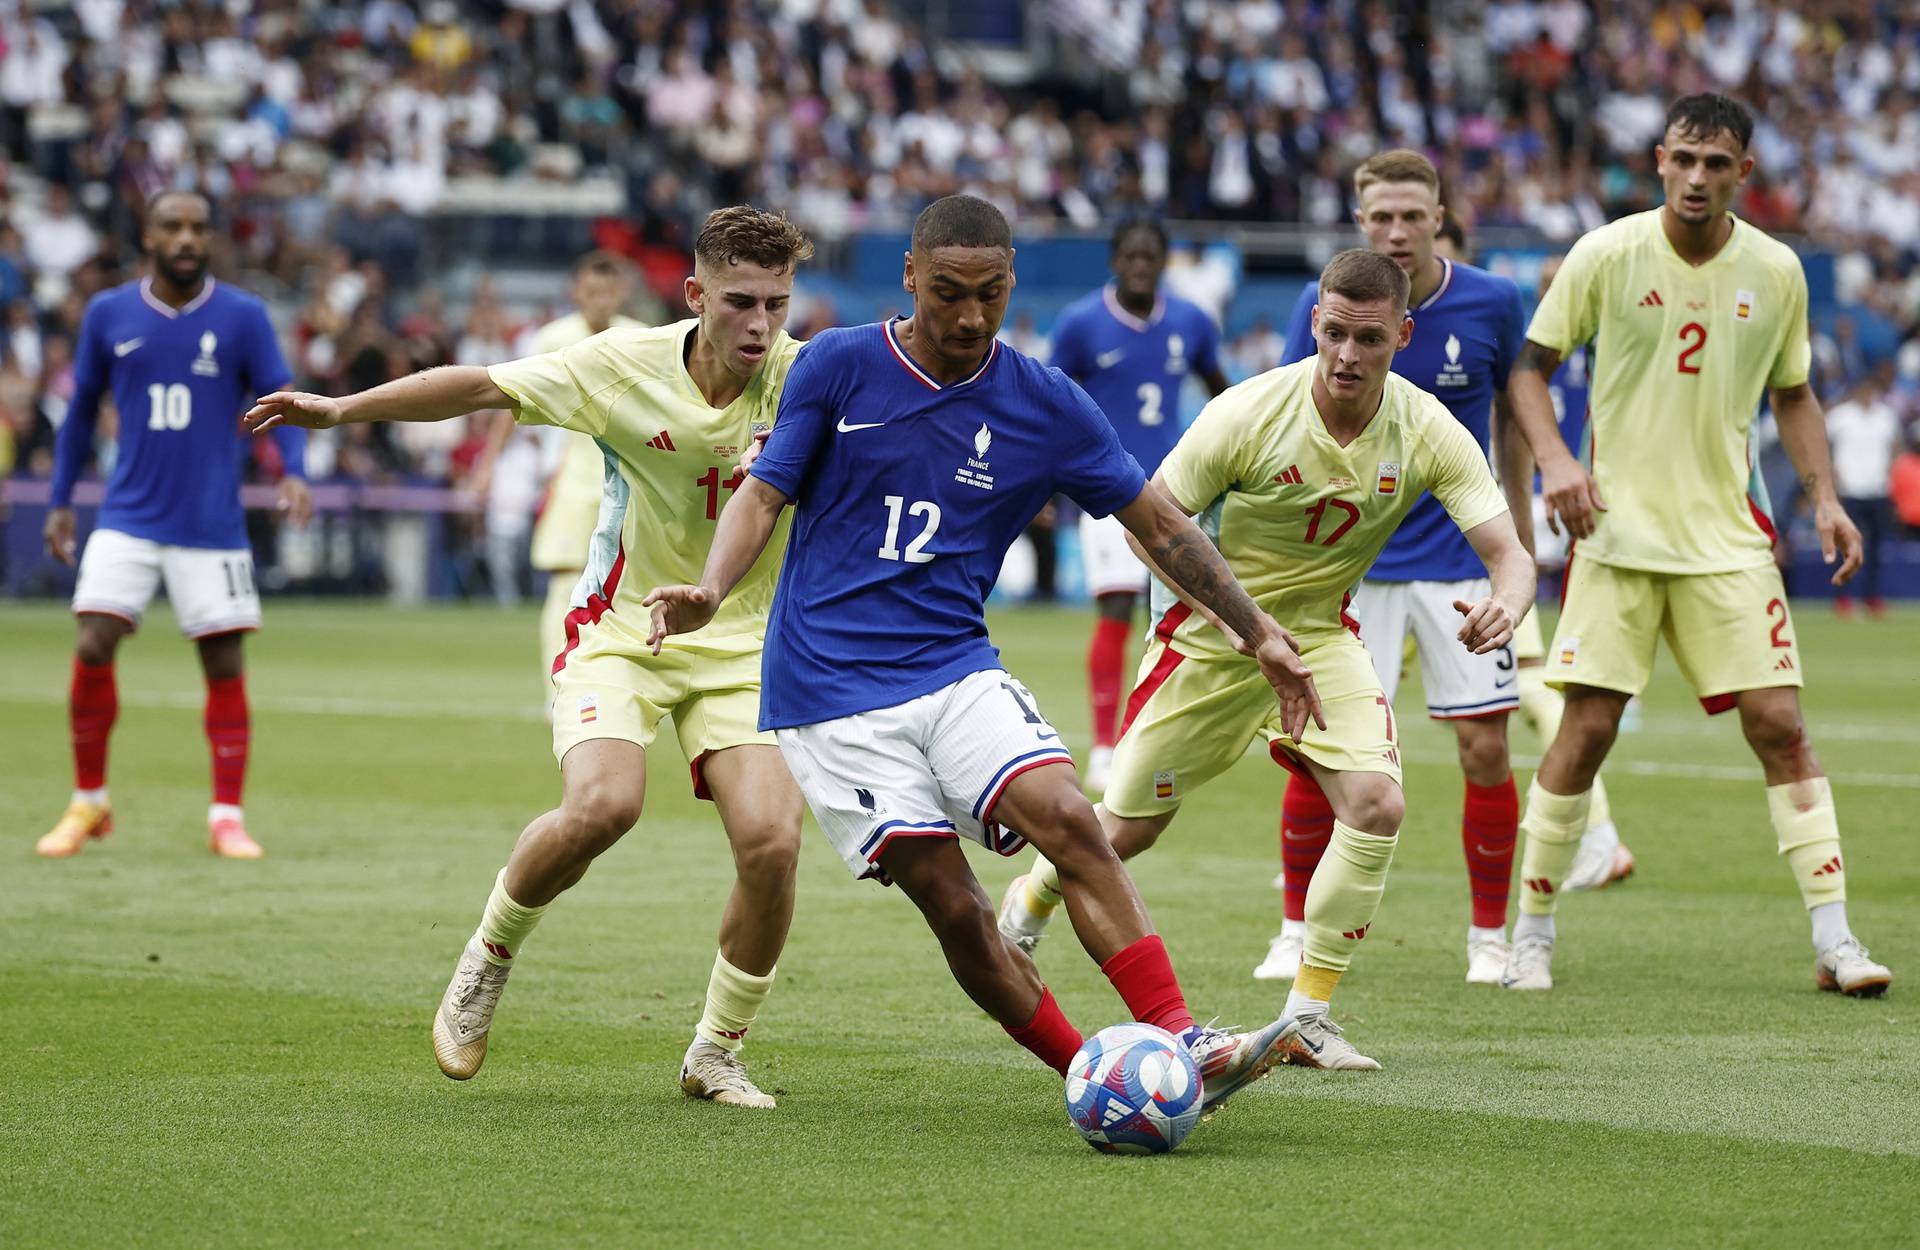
(1775, 727)
(768, 857)
(595, 815)
(958, 915)
(1483, 758)
(1377, 809)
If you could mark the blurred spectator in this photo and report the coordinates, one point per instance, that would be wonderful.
(1865, 432)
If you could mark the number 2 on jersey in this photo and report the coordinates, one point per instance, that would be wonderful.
(916, 552)
(1149, 395)
(1697, 333)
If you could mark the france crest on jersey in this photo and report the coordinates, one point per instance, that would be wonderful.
(1466, 336)
(907, 495)
(1134, 368)
(180, 378)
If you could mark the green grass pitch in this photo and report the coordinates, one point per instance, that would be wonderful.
(203, 1053)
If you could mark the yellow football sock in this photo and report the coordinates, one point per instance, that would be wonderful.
(1043, 887)
(1540, 704)
(1599, 811)
(1312, 983)
(1553, 825)
(733, 1000)
(1343, 898)
(505, 924)
(1809, 831)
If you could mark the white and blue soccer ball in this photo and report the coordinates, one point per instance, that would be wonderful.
(1133, 1089)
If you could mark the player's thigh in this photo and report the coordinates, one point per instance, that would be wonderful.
(759, 804)
(1732, 631)
(982, 734)
(1110, 565)
(603, 789)
(1361, 736)
(1609, 625)
(1368, 801)
(118, 576)
(1460, 685)
(608, 689)
(1384, 610)
(1189, 720)
(869, 785)
(212, 591)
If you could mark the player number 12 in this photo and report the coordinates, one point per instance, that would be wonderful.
(916, 552)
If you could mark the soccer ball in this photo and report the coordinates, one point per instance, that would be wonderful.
(1133, 1089)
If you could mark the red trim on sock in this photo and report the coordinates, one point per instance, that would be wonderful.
(1049, 1035)
(1144, 976)
(1489, 828)
(93, 704)
(1306, 826)
(229, 734)
(1106, 673)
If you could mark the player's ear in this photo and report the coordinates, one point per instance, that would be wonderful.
(1313, 321)
(906, 277)
(1746, 167)
(1013, 279)
(694, 294)
(1406, 333)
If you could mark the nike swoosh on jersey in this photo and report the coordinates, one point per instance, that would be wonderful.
(131, 345)
(1502, 685)
(1107, 360)
(844, 428)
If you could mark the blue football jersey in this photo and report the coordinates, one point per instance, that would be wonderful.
(180, 379)
(1466, 336)
(1134, 369)
(907, 495)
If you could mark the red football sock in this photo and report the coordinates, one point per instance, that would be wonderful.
(227, 735)
(1050, 1035)
(1489, 825)
(1106, 665)
(1144, 976)
(92, 704)
(1306, 826)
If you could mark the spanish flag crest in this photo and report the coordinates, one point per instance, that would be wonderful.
(1389, 479)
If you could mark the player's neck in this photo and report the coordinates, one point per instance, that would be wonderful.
(939, 368)
(719, 385)
(1696, 244)
(171, 293)
(1140, 306)
(1426, 282)
(1345, 420)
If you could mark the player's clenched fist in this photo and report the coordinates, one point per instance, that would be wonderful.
(313, 412)
(678, 610)
(1488, 627)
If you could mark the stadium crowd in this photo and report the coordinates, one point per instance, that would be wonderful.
(331, 133)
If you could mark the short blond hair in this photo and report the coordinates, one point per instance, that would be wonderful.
(1364, 275)
(1398, 165)
(758, 237)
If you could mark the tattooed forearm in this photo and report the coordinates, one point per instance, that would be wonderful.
(1192, 563)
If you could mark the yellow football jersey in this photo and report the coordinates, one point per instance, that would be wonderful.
(1681, 356)
(565, 527)
(1300, 518)
(669, 459)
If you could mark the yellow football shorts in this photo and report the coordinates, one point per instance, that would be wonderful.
(1191, 718)
(610, 687)
(1528, 642)
(1728, 631)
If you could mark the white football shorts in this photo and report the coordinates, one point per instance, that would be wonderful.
(1111, 566)
(1459, 683)
(932, 767)
(211, 590)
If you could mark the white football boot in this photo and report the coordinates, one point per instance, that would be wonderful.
(1283, 957)
(1845, 968)
(1601, 860)
(1319, 1043)
(1230, 1060)
(466, 1012)
(1099, 765)
(1486, 959)
(1530, 965)
(1018, 923)
(717, 1075)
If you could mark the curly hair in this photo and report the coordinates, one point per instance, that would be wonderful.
(752, 235)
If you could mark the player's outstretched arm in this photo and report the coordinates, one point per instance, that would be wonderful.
(1490, 623)
(1572, 499)
(1176, 547)
(1803, 432)
(432, 395)
(745, 525)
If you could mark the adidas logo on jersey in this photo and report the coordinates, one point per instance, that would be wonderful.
(1652, 300)
(1785, 665)
(1291, 477)
(1831, 868)
(662, 441)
